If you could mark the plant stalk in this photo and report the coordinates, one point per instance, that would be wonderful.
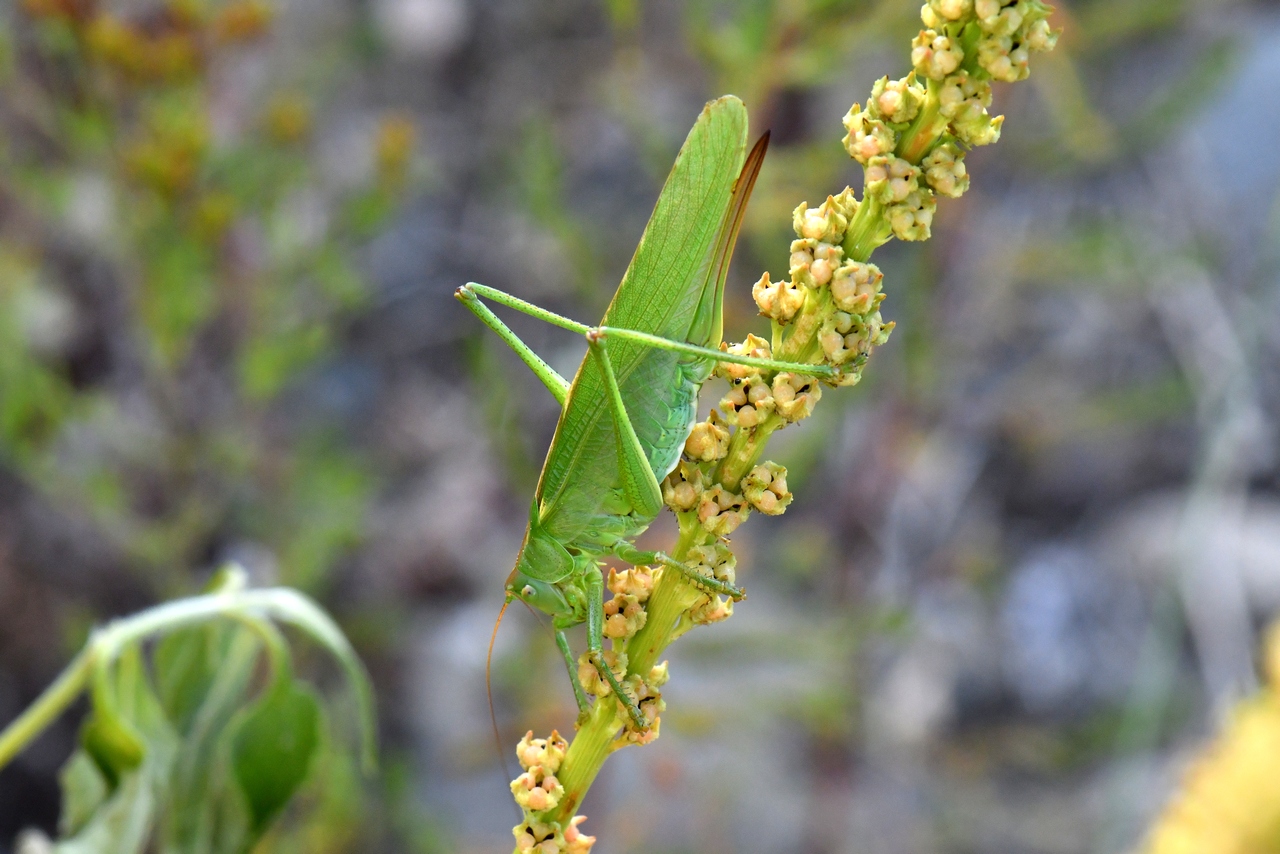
(47, 707)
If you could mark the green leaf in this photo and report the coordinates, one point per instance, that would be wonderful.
(200, 791)
(130, 741)
(292, 607)
(122, 825)
(273, 749)
(113, 745)
(185, 664)
(83, 791)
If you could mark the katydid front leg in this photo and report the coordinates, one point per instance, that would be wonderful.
(595, 645)
(571, 664)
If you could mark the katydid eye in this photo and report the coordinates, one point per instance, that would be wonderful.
(527, 591)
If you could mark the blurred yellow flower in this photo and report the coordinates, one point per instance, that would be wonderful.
(288, 118)
(395, 141)
(242, 21)
(1230, 798)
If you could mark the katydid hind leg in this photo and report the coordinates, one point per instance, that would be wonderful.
(660, 343)
(471, 294)
(626, 551)
(524, 307)
(571, 664)
(639, 483)
(595, 645)
(556, 384)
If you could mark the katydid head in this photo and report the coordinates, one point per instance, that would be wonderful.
(543, 562)
(537, 594)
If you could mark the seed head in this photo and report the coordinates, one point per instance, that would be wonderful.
(765, 487)
(945, 172)
(896, 101)
(935, 55)
(708, 441)
(795, 396)
(721, 511)
(855, 287)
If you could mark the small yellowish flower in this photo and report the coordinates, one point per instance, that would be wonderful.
(765, 488)
(708, 440)
(935, 55)
(781, 300)
(795, 396)
(945, 171)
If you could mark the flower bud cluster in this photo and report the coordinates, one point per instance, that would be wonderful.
(945, 172)
(963, 100)
(748, 400)
(849, 338)
(795, 395)
(935, 54)
(714, 561)
(688, 489)
(708, 440)
(720, 511)
(537, 789)
(542, 837)
(1004, 34)
(875, 131)
(895, 183)
(624, 614)
(765, 488)
(643, 691)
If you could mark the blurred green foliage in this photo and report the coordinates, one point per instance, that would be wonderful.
(175, 259)
(145, 187)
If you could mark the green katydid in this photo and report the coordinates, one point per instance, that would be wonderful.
(633, 401)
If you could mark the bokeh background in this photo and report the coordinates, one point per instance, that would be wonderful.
(1029, 558)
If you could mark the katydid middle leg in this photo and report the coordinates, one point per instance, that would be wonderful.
(636, 557)
(595, 645)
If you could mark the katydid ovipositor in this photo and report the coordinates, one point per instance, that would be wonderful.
(632, 403)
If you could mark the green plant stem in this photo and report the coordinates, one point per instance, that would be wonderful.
(928, 126)
(47, 707)
(585, 757)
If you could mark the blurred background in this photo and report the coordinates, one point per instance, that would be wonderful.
(1029, 557)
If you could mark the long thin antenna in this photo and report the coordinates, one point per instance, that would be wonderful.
(488, 688)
